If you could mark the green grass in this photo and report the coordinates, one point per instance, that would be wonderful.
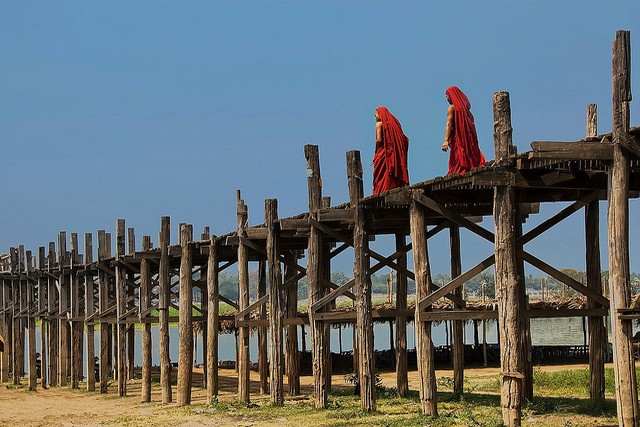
(561, 400)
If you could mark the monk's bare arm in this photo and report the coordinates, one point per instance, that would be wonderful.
(378, 134)
(448, 130)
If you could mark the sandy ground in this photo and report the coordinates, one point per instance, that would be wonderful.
(66, 407)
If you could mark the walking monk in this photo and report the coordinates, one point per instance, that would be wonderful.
(390, 158)
(460, 134)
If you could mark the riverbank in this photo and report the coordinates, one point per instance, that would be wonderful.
(65, 407)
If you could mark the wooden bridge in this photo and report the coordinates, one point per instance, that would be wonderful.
(71, 293)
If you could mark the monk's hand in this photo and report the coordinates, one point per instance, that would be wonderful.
(445, 146)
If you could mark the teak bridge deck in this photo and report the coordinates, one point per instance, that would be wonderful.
(70, 292)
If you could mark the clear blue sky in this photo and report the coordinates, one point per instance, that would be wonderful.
(141, 109)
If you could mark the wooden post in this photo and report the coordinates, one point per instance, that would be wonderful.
(145, 304)
(185, 355)
(314, 274)
(325, 202)
(213, 320)
(243, 300)
(458, 325)
(525, 327)
(424, 345)
(63, 309)
(76, 326)
(130, 328)
(104, 253)
(5, 322)
(506, 271)
(276, 312)
(402, 379)
(366, 356)
(121, 308)
(597, 336)
(89, 292)
(263, 348)
(164, 282)
(204, 306)
(618, 225)
(43, 310)
(19, 324)
(292, 354)
(31, 327)
(54, 326)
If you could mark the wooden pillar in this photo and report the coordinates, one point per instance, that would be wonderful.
(618, 225)
(263, 348)
(31, 326)
(164, 282)
(42, 310)
(525, 327)
(424, 345)
(325, 202)
(54, 326)
(597, 335)
(63, 310)
(402, 380)
(18, 324)
(314, 275)
(145, 304)
(276, 312)
(458, 325)
(213, 319)
(508, 291)
(121, 308)
(243, 300)
(104, 253)
(204, 306)
(76, 309)
(129, 305)
(89, 293)
(185, 355)
(4, 331)
(292, 354)
(366, 356)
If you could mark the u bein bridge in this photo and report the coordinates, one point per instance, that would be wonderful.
(71, 293)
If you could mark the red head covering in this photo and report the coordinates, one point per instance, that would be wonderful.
(390, 160)
(465, 153)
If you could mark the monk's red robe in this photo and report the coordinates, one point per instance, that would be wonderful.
(464, 153)
(390, 159)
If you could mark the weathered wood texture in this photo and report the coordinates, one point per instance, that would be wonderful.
(506, 274)
(276, 304)
(31, 328)
(145, 304)
(185, 349)
(104, 252)
(164, 282)
(63, 307)
(89, 310)
(263, 347)
(366, 356)
(618, 226)
(597, 334)
(402, 378)
(424, 345)
(243, 300)
(121, 308)
(314, 275)
(213, 319)
(458, 329)
(292, 354)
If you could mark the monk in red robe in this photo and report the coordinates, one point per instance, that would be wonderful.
(460, 134)
(390, 158)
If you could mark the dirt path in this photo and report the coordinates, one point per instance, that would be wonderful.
(65, 407)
